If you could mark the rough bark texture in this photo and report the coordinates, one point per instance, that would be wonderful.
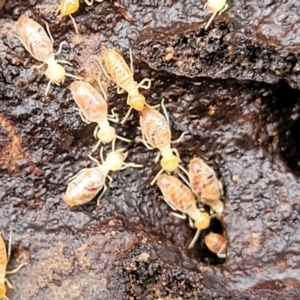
(246, 127)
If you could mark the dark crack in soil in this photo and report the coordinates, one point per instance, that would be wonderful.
(246, 128)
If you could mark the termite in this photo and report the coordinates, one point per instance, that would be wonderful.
(69, 7)
(117, 70)
(217, 244)
(86, 184)
(4, 258)
(215, 6)
(93, 108)
(157, 134)
(40, 46)
(180, 198)
(205, 185)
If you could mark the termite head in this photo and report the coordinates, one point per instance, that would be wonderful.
(106, 134)
(115, 160)
(203, 222)
(68, 7)
(56, 72)
(136, 101)
(215, 5)
(169, 162)
(2, 290)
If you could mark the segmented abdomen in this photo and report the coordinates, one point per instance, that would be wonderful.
(155, 128)
(3, 259)
(178, 194)
(85, 186)
(35, 39)
(215, 242)
(90, 102)
(119, 71)
(204, 182)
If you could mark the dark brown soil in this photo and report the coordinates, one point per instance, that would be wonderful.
(233, 88)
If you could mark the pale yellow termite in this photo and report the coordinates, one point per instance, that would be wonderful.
(116, 69)
(93, 108)
(4, 258)
(215, 6)
(40, 46)
(86, 184)
(180, 198)
(217, 244)
(205, 185)
(157, 134)
(69, 7)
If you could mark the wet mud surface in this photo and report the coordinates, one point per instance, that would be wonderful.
(246, 128)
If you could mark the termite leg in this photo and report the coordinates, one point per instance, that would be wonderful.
(102, 89)
(40, 66)
(120, 90)
(73, 76)
(157, 157)
(156, 176)
(96, 146)
(168, 202)
(9, 284)
(95, 134)
(102, 193)
(176, 153)
(64, 62)
(183, 177)
(16, 269)
(179, 216)
(94, 159)
(48, 31)
(123, 139)
(152, 106)
(210, 20)
(47, 88)
(221, 253)
(132, 165)
(184, 170)
(224, 8)
(180, 138)
(110, 179)
(74, 24)
(195, 238)
(191, 222)
(113, 145)
(8, 257)
(144, 141)
(164, 110)
(113, 117)
(103, 70)
(145, 84)
(101, 155)
(83, 117)
(131, 61)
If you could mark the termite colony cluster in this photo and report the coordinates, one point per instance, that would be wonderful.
(199, 198)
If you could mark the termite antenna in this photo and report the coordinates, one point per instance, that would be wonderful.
(126, 116)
